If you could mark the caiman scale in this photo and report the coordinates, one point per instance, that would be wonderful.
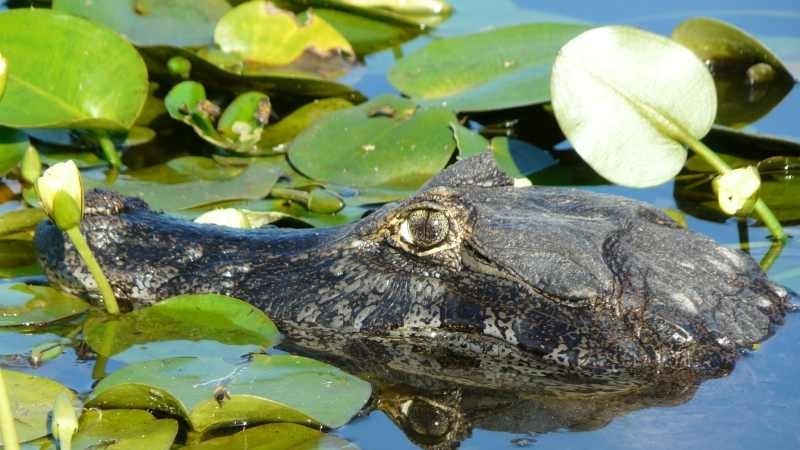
(588, 284)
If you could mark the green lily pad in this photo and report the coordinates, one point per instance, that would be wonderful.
(199, 317)
(386, 142)
(298, 120)
(278, 388)
(126, 429)
(498, 69)
(368, 35)
(181, 23)
(750, 79)
(187, 168)
(95, 79)
(288, 83)
(259, 32)
(518, 158)
(468, 142)
(276, 436)
(254, 183)
(620, 113)
(20, 220)
(263, 212)
(13, 144)
(32, 399)
(24, 304)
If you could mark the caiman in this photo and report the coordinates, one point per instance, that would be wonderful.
(584, 283)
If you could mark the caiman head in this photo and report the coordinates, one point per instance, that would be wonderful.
(585, 283)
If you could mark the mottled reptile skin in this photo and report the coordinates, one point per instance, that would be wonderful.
(584, 283)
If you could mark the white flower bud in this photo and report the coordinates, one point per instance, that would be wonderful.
(227, 217)
(737, 190)
(62, 177)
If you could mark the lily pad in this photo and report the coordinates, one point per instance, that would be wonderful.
(259, 32)
(368, 35)
(124, 429)
(298, 120)
(263, 212)
(16, 344)
(497, 69)
(386, 142)
(77, 90)
(276, 436)
(468, 142)
(182, 23)
(254, 183)
(13, 144)
(209, 392)
(419, 13)
(199, 317)
(32, 399)
(750, 79)
(25, 304)
(18, 258)
(518, 158)
(618, 110)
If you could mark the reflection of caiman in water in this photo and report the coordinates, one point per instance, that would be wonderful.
(560, 282)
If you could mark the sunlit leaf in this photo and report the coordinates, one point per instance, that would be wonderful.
(24, 304)
(185, 318)
(32, 399)
(750, 79)
(181, 23)
(737, 190)
(127, 429)
(497, 69)
(298, 120)
(387, 142)
(260, 32)
(94, 78)
(276, 436)
(267, 389)
(621, 95)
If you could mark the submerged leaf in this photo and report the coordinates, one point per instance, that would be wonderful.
(279, 388)
(94, 78)
(260, 32)
(622, 95)
(386, 142)
(497, 69)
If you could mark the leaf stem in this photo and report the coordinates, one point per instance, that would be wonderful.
(103, 286)
(109, 149)
(7, 429)
(761, 209)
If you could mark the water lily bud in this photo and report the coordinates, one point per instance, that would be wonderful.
(65, 421)
(737, 190)
(227, 217)
(324, 202)
(64, 178)
(45, 352)
(31, 165)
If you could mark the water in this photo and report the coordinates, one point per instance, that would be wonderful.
(758, 405)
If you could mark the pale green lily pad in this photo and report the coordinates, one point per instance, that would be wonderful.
(25, 304)
(32, 399)
(468, 142)
(618, 110)
(497, 69)
(276, 436)
(254, 183)
(518, 158)
(750, 79)
(187, 168)
(387, 142)
(76, 91)
(277, 388)
(259, 32)
(198, 317)
(182, 23)
(13, 144)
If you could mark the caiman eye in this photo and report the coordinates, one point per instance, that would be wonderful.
(424, 228)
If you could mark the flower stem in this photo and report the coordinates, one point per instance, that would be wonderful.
(103, 286)
(7, 429)
(109, 150)
(761, 209)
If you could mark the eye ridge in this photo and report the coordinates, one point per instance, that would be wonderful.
(425, 228)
